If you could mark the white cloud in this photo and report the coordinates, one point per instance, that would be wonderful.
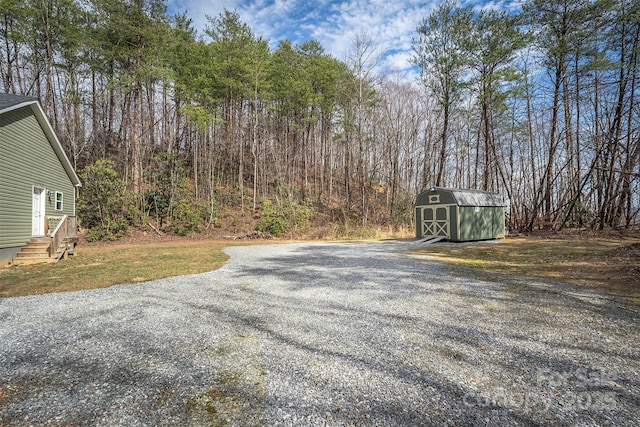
(508, 5)
(334, 23)
(392, 26)
(398, 61)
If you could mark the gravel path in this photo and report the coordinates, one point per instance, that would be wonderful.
(322, 334)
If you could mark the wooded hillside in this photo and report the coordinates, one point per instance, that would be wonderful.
(539, 106)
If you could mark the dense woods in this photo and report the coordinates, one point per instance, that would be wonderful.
(540, 105)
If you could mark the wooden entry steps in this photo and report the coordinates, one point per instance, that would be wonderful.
(37, 251)
(60, 242)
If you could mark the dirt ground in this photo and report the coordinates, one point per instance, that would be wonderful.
(608, 260)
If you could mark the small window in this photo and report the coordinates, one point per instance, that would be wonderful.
(59, 204)
(434, 199)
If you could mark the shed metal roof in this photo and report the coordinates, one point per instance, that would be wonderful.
(473, 197)
(477, 198)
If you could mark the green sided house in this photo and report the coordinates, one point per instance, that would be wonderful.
(37, 184)
(459, 215)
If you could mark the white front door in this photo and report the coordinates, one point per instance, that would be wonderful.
(37, 224)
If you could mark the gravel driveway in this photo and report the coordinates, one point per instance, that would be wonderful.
(322, 334)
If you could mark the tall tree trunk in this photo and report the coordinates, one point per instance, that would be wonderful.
(442, 158)
(548, 177)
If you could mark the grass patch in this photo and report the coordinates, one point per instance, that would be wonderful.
(609, 264)
(236, 394)
(106, 265)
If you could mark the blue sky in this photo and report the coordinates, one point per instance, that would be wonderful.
(391, 24)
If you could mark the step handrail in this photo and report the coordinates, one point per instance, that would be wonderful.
(58, 235)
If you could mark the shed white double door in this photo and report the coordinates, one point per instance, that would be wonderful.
(435, 221)
(38, 208)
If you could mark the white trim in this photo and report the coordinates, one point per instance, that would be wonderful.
(435, 226)
(57, 147)
(55, 201)
(16, 106)
(41, 117)
(39, 226)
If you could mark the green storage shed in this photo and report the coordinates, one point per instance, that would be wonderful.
(459, 215)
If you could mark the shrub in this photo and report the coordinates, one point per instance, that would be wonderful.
(272, 221)
(289, 216)
(186, 218)
(104, 206)
(113, 230)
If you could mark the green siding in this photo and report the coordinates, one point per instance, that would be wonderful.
(486, 223)
(444, 198)
(27, 160)
(453, 223)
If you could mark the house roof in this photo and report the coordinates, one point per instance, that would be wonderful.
(9, 102)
